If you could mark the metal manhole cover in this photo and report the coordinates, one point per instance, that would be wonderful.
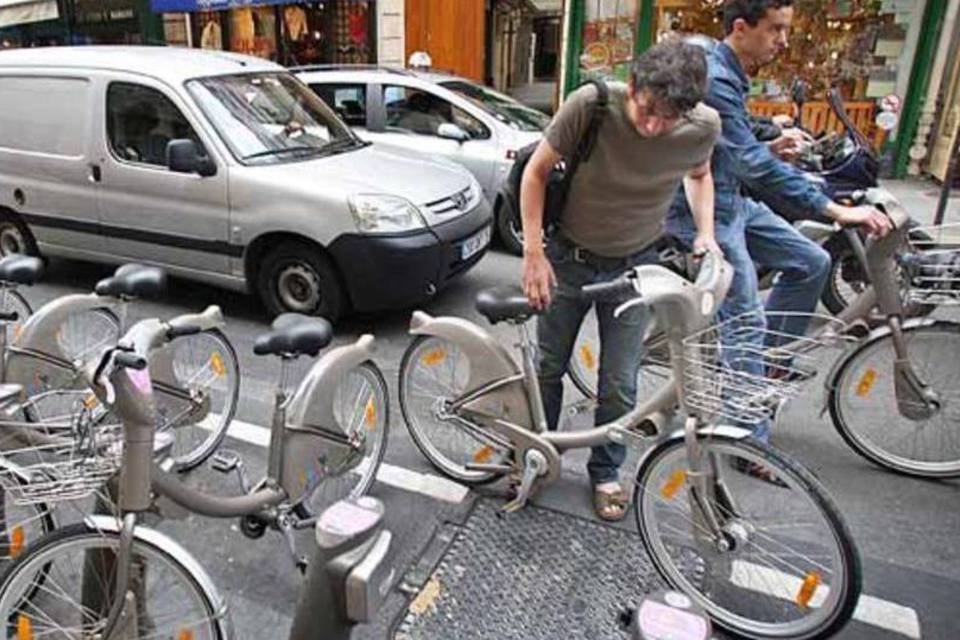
(533, 574)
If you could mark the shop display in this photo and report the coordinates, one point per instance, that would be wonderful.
(609, 39)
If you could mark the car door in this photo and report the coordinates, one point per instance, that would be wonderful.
(148, 212)
(411, 120)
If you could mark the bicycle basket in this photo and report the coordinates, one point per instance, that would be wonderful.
(741, 369)
(932, 266)
(55, 468)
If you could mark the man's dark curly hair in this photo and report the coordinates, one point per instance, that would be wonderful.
(750, 10)
(674, 73)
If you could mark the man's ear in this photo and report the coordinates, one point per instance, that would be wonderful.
(739, 26)
(631, 88)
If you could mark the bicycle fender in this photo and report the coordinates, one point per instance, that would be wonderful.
(183, 557)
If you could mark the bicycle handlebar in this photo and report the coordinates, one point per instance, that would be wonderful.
(617, 290)
(129, 360)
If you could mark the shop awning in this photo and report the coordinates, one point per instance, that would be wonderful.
(14, 12)
(187, 6)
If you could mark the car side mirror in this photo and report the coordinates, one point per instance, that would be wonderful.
(451, 131)
(182, 157)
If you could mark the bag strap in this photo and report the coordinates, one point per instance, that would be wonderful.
(589, 137)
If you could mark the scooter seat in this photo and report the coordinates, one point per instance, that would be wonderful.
(294, 334)
(21, 269)
(500, 304)
(133, 281)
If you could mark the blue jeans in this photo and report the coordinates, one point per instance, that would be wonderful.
(760, 236)
(621, 347)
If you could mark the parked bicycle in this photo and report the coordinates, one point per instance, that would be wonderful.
(890, 395)
(766, 560)
(112, 578)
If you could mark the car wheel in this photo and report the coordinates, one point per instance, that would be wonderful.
(15, 238)
(509, 228)
(298, 277)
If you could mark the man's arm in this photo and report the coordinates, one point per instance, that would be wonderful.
(698, 185)
(538, 276)
(756, 166)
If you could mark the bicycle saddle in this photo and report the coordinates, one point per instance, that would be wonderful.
(20, 269)
(500, 304)
(9, 393)
(133, 281)
(294, 334)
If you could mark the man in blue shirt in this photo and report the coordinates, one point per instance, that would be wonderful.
(747, 230)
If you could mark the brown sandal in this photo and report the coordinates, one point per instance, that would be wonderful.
(610, 505)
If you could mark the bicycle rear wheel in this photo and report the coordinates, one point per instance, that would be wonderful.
(198, 401)
(71, 603)
(791, 569)
(12, 302)
(864, 408)
(434, 372)
(361, 406)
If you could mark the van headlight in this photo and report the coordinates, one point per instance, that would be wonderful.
(382, 213)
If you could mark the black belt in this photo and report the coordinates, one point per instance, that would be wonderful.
(595, 260)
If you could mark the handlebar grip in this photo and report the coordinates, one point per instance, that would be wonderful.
(177, 331)
(9, 316)
(129, 360)
(617, 290)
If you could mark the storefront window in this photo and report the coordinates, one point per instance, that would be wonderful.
(254, 31)
(609, 38)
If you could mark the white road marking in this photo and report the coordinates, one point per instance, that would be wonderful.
(870, 610)
(426, 484)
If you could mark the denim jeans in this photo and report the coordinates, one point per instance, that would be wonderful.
(760, 236)
(621, 347)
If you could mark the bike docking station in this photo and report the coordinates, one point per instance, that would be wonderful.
(350, 574)
(667, 615)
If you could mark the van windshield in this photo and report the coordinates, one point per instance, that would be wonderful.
(267, 118)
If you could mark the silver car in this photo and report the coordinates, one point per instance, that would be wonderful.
(441, 115)
(226, 169)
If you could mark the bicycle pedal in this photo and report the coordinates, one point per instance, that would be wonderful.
(225, 461)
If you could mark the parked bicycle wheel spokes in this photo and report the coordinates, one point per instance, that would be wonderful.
(76, 592)
(778, 564)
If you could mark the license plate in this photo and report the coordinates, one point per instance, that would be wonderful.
(475, 243)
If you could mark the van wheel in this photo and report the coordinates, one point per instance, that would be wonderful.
(297, 277)
(511, 232)
(15, 238)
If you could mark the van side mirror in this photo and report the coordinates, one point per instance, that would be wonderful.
(451, 131)
(182, 157)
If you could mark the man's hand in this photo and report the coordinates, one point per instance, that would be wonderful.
(790, 144)
(538, 278)
(873, 220)
(706, 244)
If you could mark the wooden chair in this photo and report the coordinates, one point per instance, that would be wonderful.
(818, 117)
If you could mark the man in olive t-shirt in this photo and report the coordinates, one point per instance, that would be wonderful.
(655, 135)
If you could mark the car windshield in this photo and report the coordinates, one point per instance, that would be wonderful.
(500, 106)
(267, 118)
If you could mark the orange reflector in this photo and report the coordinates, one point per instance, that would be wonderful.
(673, 484)
(587, 357)
(24, 628)
(807, 589)
(17, 330)
(217, 364)
(483, 454)
(17, 541)
(866, 382)
(370, 414)
(435, 357)
(90, 401)
(186, 634)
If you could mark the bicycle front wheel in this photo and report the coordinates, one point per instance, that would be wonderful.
(71, 602)
(197, 405)
(865, 410)
(21, 524)
(784, 564)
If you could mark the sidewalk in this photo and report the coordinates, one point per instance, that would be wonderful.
(920, 197)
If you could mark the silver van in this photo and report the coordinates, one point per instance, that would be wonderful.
(226, 169)
(449, 116)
